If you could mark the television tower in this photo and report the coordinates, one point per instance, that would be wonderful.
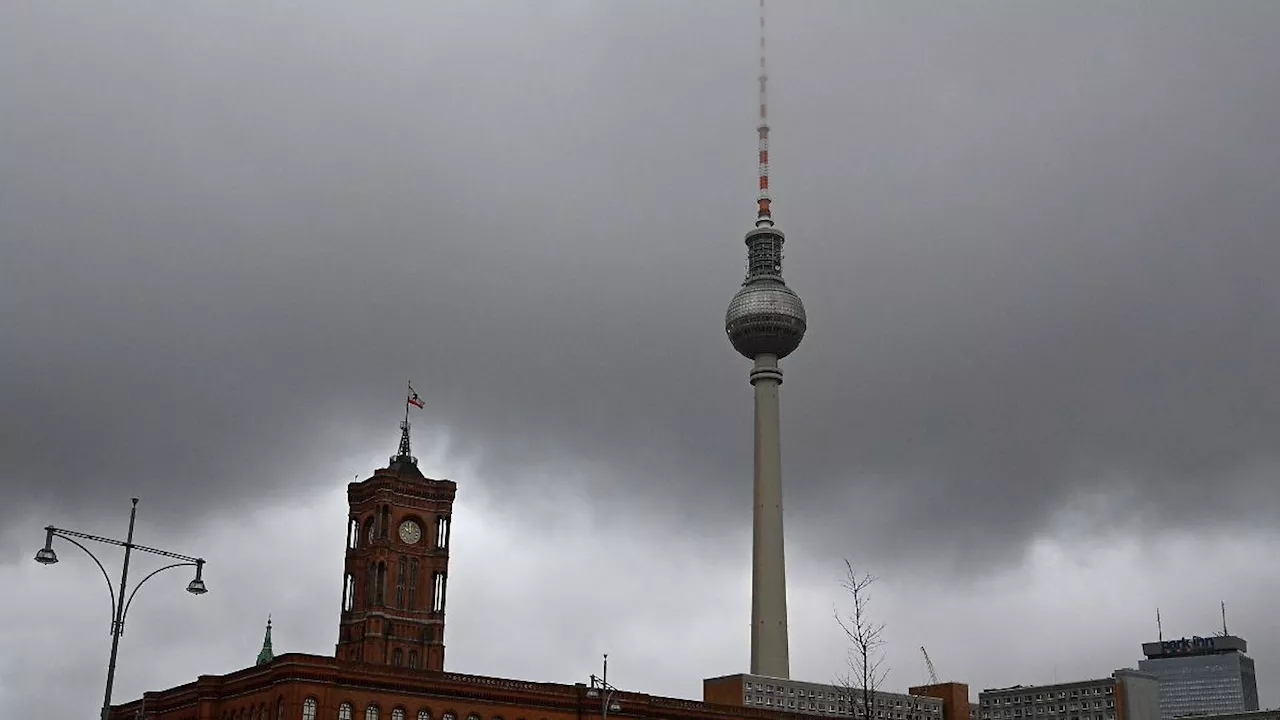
(766, 322)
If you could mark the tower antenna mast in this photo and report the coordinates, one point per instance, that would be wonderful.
(764, 216)
(1159, 627)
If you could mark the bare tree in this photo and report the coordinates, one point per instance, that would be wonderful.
(865, 656)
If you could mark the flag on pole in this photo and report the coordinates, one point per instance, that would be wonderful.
(414, 399)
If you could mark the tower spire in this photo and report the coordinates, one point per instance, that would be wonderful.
(266, 655)
(764, 216)
(404, 454)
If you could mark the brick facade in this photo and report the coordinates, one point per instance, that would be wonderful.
(278, 691)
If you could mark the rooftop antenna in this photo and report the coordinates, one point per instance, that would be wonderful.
(1159, 627)
(1224, 618)
(764, 217)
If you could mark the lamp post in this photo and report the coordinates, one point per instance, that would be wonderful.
(600, 688)
(120, 605)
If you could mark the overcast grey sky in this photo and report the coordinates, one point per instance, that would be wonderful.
(1038, 395)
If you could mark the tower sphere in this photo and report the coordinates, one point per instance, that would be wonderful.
(765, 317)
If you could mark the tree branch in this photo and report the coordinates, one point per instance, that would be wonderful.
(865, 655)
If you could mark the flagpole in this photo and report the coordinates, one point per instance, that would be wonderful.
(403, 453)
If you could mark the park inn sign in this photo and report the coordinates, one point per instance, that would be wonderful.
(1194, 645)
(1170, 647)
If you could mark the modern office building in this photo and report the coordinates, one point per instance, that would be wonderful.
(1202, 675)
(759, 691)
(1248, 715)
(1126, 695)
(954, 697)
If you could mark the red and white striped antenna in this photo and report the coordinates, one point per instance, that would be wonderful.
(764, 216)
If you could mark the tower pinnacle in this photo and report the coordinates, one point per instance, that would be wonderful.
(266, 655)
(766, 322)
(404, 454)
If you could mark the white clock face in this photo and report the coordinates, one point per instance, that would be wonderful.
(410, 533)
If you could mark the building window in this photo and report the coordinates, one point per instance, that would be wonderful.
(397, 657)
(442, 532)
(401, 570)
(344, 711)
(424, 714)
(348, 592)
(371, 713)
(309, 709)
(280, 709)
(437, 603)
(397, 714)
(449, 716)
(413, 659)
(413, 583)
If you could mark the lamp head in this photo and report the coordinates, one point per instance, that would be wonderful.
(47, 556)
(196, 586)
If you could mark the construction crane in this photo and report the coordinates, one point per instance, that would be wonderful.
(933, 673)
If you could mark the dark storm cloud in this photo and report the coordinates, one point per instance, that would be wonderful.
(1036, 247)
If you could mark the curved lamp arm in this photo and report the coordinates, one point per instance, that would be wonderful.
(140, 583)
(99, 564)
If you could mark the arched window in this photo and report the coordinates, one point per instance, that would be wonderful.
(280, 709)
(442, 532)
(344, 711)
(401, 571)
(384, 528)
(309, 709)
(437, 591)
(449, 716)
(353, 533)
(413, 583)
(380, 585)
(397, 714)
(424, 714)
(348, 592)
(397, 657)
(371, 712)
(413, 659)
(473, 716)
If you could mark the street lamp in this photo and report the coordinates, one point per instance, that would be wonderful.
(120, 605)
(600, 688)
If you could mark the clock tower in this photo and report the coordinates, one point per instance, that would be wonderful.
(397, 565)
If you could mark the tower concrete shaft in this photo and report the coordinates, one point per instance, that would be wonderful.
(769, 651)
